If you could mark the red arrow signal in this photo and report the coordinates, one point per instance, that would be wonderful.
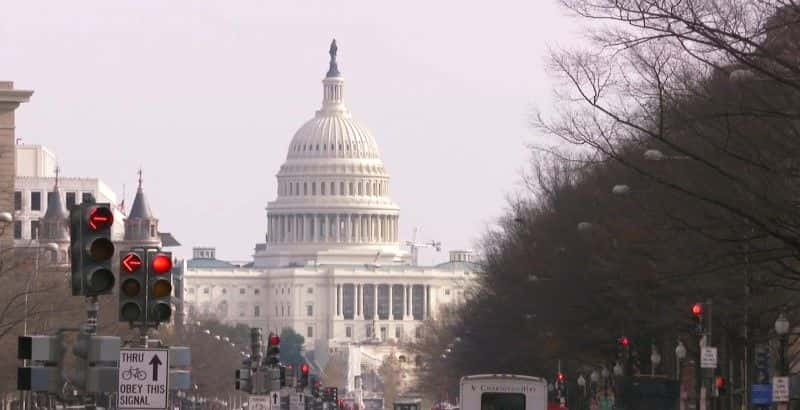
(131, 262)
(100, 218)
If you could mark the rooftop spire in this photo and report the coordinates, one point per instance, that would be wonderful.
(140, 208)
(333, 69)
(57, 171)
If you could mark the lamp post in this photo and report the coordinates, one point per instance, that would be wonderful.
(655, 359)
(782, 329)
(680, 354)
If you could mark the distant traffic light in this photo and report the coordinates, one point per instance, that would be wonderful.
(697, 310)
(159, 288)
(132, 296)
(560, 377)
(305, 369)
(624, 341)
(720, 386)
(243, 380)
(91, 249)
(96, 370)
(273, 349)
(315, 388)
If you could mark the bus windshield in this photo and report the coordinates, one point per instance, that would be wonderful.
(502, 401)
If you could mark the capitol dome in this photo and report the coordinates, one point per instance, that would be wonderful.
(332, 204)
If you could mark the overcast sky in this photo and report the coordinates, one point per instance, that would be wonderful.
(206, 96)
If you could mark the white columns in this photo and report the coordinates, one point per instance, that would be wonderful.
(391, 311)
(349, 229)
(337, 227)
(361, 301)
(314, 228)
(411, 302)
(375, 302)
(339, 304)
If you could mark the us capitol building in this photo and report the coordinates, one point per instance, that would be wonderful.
(332, 267)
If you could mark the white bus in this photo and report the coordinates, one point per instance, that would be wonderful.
(503, 392)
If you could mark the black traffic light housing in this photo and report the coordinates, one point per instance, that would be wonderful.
(273, 350)
(305, 371)
(159, 287)
(91, 249)
(133, 281)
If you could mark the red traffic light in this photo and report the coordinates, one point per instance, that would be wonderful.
(100, 217)
(161, 263)
(697, 309)
(720, 382)
(304, 368)
(131, 262)
(624, 341)
(560, 376)
(274, 340)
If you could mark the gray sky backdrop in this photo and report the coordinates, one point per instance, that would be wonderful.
(206, 97)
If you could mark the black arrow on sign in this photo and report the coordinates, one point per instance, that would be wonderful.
(155, 361)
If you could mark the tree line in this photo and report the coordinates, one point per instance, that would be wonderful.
(675, 181)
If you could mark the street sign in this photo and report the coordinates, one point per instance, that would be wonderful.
(708, 358)
(780, 389)
(761, 394)
(256, 402)
(143, 375)
(297, 401)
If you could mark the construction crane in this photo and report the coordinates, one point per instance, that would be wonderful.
(415, 246)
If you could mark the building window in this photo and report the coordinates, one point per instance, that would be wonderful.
(398, 332)
(322, 188)
(283, 311)
(241, 291)
(17, 229)
(17, 200)
(36, 201)
(190, 290)
(383, 332)
(360, 186)
(152, 230)
(309, 310)
(256, 291)
(447, 292)
(418, 332)
(350, 189)
(35, 229)
(241, 313)
(291, 189)
(333, 188)
(256, 310)
(276, 310)
(310, 331)
(313, 188)
(224, 291)
(71, 200)
(348, 331)
(369, 331)
(205, 291)
(310, 291)
(341, 188)
(86, 196)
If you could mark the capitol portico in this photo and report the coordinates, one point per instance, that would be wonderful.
(332, 265)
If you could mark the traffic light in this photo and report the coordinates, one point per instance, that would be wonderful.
(98, 362)
(698, 312)
(624, 341)
(560, 377)
(132, 296)
(45, 354)
(243, 381)
(315, 388)
(273, 350)
(305, 369)
(91, 249)
(720, 386)
(159, 287)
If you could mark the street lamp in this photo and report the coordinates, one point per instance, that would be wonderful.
(782, 329)
(680, 354)
(5, 217)
(655, 359)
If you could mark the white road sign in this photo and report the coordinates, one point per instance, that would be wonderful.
(780, 389)
(708, 358)
(143, 378)
(258, 403)
(297, 401)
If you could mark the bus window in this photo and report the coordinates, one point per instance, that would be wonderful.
(502, 401)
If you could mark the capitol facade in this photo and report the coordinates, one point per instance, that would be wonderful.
(332, 267)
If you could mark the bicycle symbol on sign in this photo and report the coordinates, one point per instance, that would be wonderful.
(134, 373)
